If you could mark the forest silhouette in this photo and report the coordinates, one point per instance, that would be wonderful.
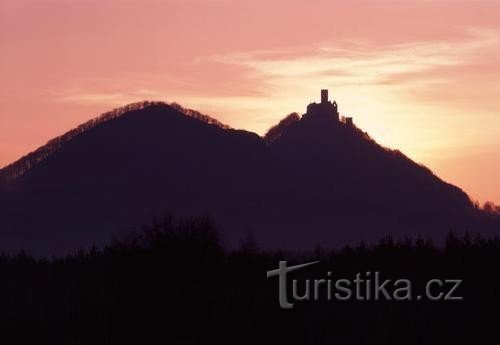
(174, 282)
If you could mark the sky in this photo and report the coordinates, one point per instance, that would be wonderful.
(420, 76)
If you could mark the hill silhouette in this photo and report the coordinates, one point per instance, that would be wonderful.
(311, 179)
(174, 283)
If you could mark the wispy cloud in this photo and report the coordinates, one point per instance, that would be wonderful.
(347, 63)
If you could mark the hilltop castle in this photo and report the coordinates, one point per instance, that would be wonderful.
(325, 111)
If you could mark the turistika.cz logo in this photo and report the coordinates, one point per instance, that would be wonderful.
(367, 286)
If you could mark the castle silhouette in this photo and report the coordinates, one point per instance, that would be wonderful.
(325, 111)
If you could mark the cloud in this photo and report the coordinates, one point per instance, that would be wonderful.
(362, 63)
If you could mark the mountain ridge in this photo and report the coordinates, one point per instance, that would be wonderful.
(313, 179)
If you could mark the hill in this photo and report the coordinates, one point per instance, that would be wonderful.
(313, 179)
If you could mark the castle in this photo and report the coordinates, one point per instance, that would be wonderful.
(325, 111)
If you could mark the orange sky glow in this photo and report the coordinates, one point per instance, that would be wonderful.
(420, 76)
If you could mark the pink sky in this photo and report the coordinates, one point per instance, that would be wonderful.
(420, 76)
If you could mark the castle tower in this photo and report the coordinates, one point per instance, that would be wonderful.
(324, 96)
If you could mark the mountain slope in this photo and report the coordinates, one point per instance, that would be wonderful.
(312, 183)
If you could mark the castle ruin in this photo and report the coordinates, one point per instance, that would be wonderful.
(326, 111)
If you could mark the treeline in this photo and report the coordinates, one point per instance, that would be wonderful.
(174, 283)
(277, 130)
